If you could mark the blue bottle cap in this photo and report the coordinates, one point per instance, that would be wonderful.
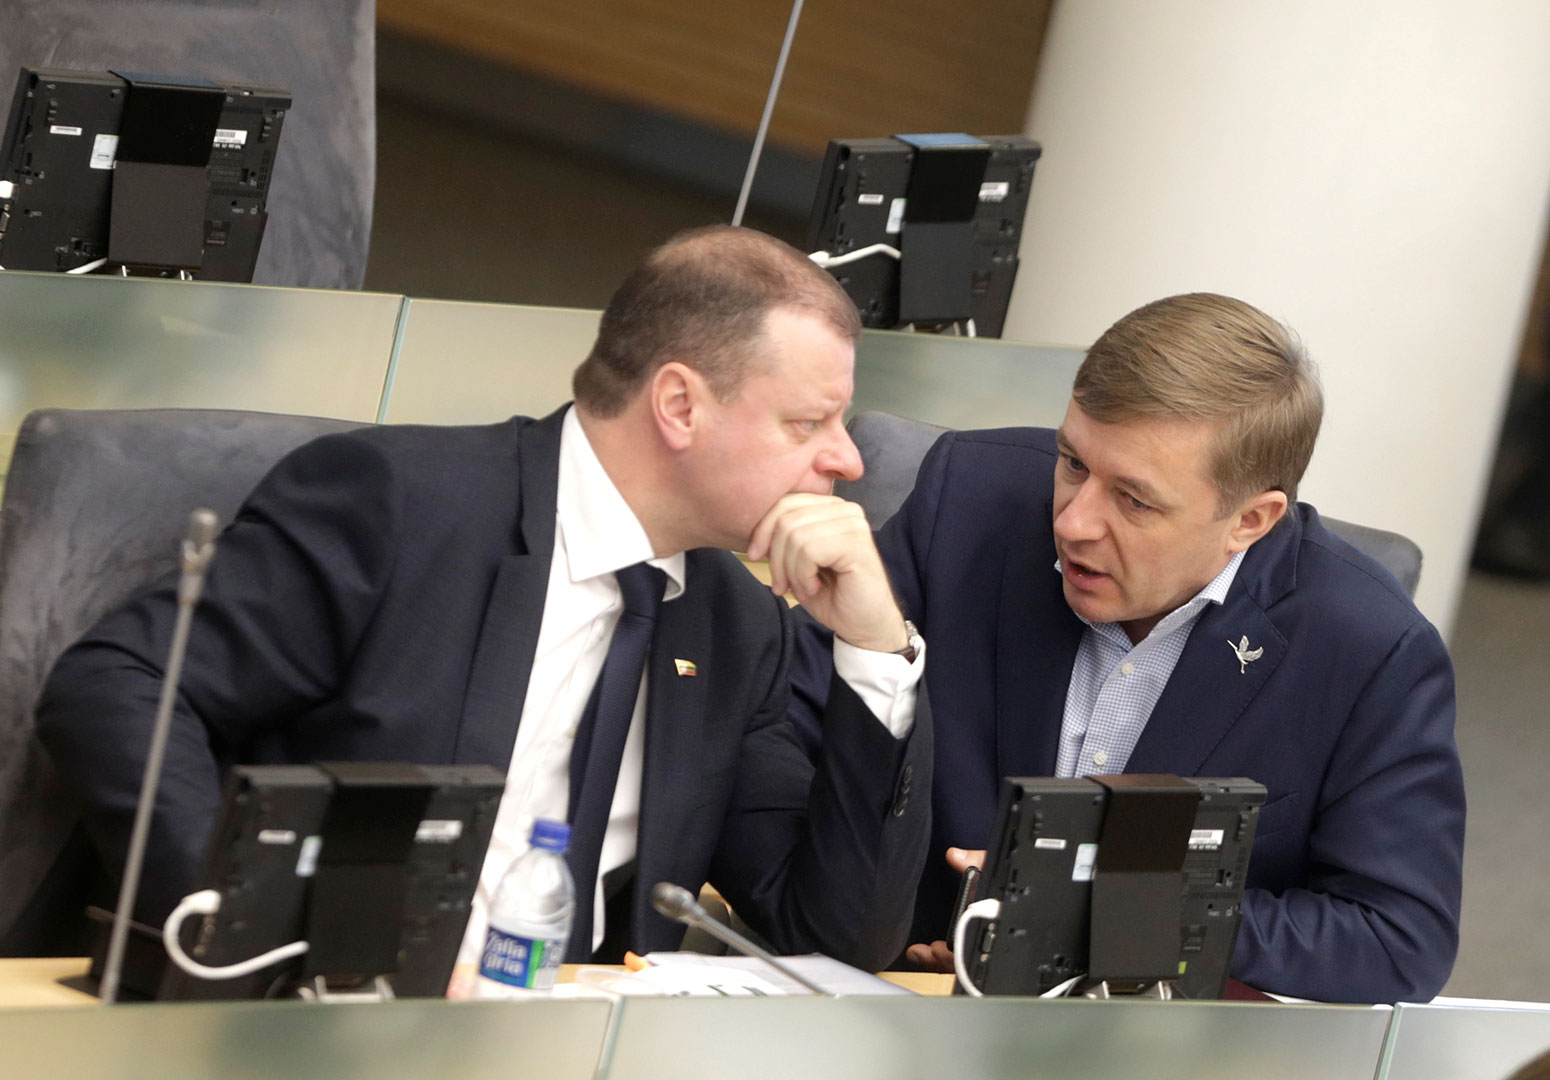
(550, 835)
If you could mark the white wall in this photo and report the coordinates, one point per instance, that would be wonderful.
(1375, 174)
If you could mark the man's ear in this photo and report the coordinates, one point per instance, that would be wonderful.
(674, 396)
(1255, 518)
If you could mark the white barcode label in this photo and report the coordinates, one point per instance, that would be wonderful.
(276, 836)
(104, 148)
(230, 138)
(870, 198)
(1086, 860)
(995, 191)
(438, 832)
(1206, 839)
(1049, 843)
(307, 859)
(63, 129)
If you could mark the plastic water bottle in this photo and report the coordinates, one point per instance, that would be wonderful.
(530, 918)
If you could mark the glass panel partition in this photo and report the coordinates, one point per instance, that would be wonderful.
(95, 342)
(964, 382)
(401, 1040)
(1436, 1042)
(463, 363)
(931, 1038)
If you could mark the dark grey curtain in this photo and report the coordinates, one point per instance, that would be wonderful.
(322, 51)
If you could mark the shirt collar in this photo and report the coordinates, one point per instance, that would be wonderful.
(601, 533)
(1215, 592)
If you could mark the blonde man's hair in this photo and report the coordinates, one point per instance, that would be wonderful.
(1206, 357)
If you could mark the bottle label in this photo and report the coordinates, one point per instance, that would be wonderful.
(531, 963)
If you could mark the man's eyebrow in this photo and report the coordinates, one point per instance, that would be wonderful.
(1142, 490)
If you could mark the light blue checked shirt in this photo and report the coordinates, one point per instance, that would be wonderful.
(1114, 684)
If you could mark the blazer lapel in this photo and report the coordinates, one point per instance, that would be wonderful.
(1211, 687)
(1036, 646)
(676, 708)
(503, 661)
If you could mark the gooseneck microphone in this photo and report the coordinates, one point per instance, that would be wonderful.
(679, 904)
(198, 547)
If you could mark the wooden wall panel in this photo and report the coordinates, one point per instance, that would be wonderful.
(858, 68)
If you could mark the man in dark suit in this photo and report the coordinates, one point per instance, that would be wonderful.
(1141, 592)
(411, 593)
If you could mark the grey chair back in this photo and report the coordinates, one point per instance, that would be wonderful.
(94, 508)
(892, 448)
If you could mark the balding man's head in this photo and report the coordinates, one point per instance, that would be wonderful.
(701, 299)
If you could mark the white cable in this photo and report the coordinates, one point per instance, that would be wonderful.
(86, 268)
(980, 909)
(208, 902)
(825, 260)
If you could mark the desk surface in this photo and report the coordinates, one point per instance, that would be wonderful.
(30, 983)
(34, 983)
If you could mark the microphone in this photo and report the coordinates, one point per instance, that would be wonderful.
(198, 548)
(679, 904)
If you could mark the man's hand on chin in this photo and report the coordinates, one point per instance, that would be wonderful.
(820, 549)
(938, 956)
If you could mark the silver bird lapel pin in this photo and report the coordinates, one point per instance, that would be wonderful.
(1245, 655)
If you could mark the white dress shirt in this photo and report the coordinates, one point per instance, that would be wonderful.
(596, 534)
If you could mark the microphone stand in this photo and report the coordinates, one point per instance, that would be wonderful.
(198, 547)
(678, 904)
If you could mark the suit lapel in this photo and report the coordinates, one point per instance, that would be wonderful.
(1036, 646)
(676, 707)
(503, 661)
(1211, 688)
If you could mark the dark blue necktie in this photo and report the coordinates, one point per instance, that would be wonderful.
(594, 758)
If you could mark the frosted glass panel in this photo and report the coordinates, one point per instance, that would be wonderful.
(1442, 1043)
(896, 1038)
(463, 363)
(102, 342)
(964, 382)
(402, 1040)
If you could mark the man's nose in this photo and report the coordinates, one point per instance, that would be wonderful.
(1082, 517)
(839, 459)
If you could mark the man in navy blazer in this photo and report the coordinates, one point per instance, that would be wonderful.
(383, 593)
(1141, 592)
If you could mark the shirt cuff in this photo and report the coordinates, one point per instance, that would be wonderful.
(886, 682)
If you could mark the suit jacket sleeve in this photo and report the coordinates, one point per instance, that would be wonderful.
(902, 541)
(823, 846)
(294, 580)
(1377, 918)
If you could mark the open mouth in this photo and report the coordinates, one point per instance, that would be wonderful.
(1080, 574)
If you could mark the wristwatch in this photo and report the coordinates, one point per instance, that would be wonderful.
(909, 651)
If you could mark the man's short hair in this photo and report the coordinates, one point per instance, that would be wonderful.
(1201, 356)
(701, 299)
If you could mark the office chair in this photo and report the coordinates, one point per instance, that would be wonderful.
(95, 506)
(892, 448)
